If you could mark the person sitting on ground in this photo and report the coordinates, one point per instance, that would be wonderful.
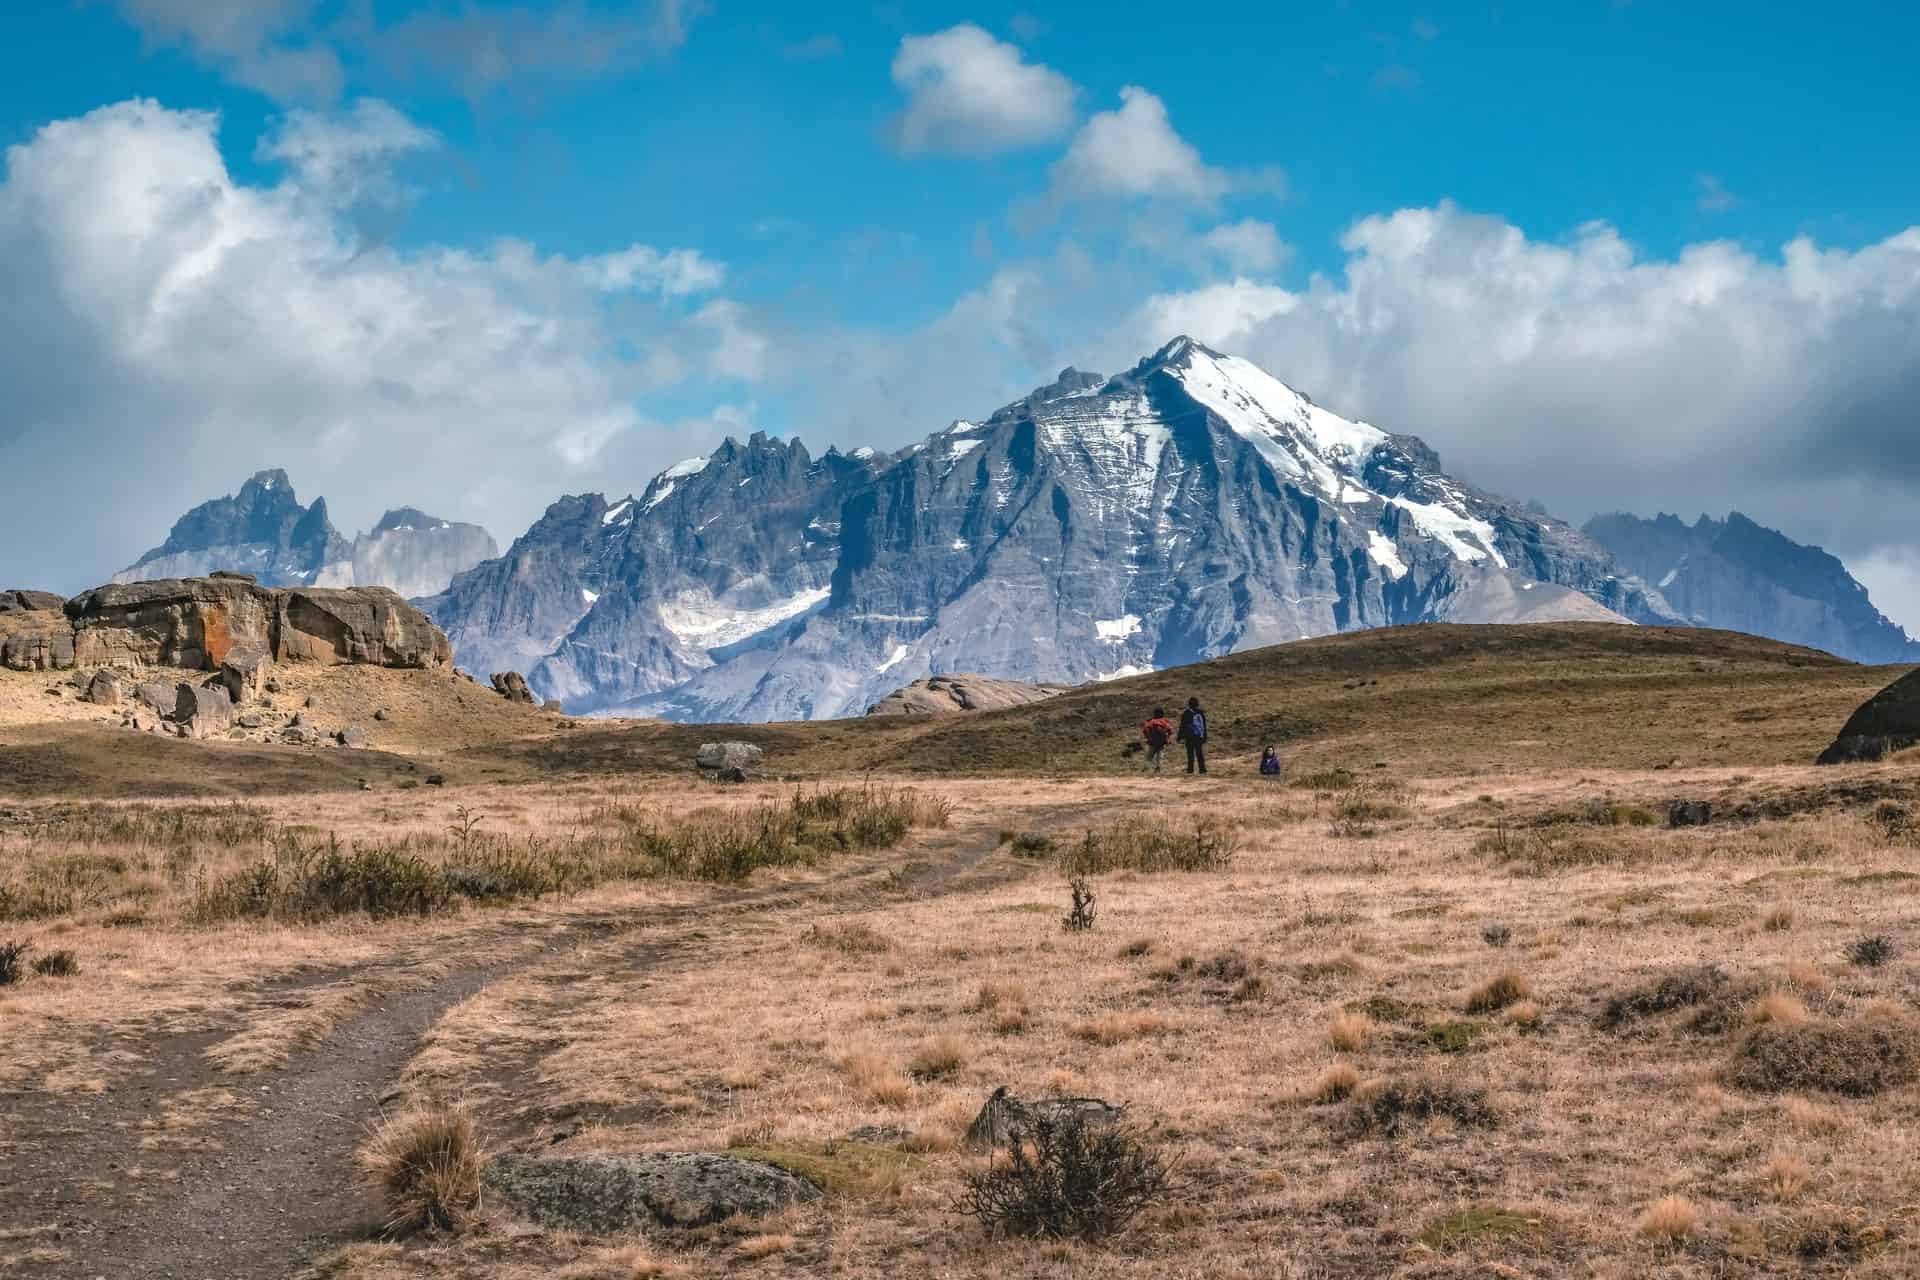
(1193, 732)
(1158, 732)
(1270, 763)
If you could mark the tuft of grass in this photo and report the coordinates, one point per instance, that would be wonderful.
(1785, 1175)
(858, 1169)
(1118, 1028)
(1777, 1008)
(938, 1058)
(1525, 1015)
(854, 938)
(1779, 918)
(1856, 1059)
(754, 1248)
(11, 955)
(1349, 1032)
(1336, 1084)
(1669, 1220)
(423, 1168)
(1508, 988)
(877, 1076)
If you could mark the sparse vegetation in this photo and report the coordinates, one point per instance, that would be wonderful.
(57, 964)
(1068, 1180)
(1388, 1107)
(1669, 1220)
(1479, 1224)
(1872, 951)
(1031, 844)
(1152, 844)
(11, 954)
(1857, 1059)
(423, 1168)
(1349, 1032)
(1680, 989)
(1080, 914)
(1496, 935)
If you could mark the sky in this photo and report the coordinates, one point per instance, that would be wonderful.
(471, 255)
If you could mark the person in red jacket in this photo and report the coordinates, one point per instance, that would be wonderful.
(1158, 732)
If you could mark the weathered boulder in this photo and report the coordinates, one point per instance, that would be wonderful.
(1004, 1117)
(251, 720)
(1887, 722)
(202, 712)
(512, 686)
(244, 673)
(105, 689)
(949, 694)
(727, 757)
(353, 736)
(368, 625)
(16, 600)
(174, 622)
(603, 1195)
(300, 735)
(36, 640)
(158, 696)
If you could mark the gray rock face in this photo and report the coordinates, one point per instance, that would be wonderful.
(36, 640)
(244, 672)
(1188, 508)
(603, 1195)
(265, 532)
(106, 689)
(353, 737)
(157, 696)
(727, 757)
(21, 601)
(1737, 575)
(948, 694)
(201, 712)
(1887, 722)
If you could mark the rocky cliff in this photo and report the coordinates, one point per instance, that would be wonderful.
(265, 532)
(1190, 507)
(1737, 575)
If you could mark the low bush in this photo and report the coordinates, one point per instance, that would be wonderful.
(1679, 989)
(1497, 935)
(1068, 1180)
(423, 1169)
(57, 964)
(1031, 844)
(1856, 1059)
(1080, 915)
(11, 955)
(1387, 1108)
(1872, 951)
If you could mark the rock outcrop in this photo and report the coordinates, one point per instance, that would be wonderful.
(203, 623)
(729, 758)
(608, 1194)
(512, 686)
(17, 600)
(1887, 722)
(1004, 1119)
(947, 694)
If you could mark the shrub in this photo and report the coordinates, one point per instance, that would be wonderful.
(1068, 1180)
(11, 954)
(423, 1167)
(1496, 935)
(1152, 844)
(1856, 1059)
(1669, 1219)
(57, 964)
(1509, 988)
(1872, 951)
(1386, 1108)
(1679, 989)
(1079, 917)
(1031, 844)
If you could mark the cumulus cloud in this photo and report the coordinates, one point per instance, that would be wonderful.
(970, 94)
(1133, 151)
(259, 43)
(1248, 245)
(173, 329)
(1593, 378)
(346, 155)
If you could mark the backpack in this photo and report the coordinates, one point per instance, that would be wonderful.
(1199, 726)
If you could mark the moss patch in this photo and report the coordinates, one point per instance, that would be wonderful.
(1479, 1223)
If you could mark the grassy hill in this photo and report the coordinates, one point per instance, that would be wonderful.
(1438, 699)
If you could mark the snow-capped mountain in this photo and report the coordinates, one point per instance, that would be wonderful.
(1742, 576)
(265, 531)
(1190, 507)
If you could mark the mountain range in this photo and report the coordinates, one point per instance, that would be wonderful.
(264, 530)
(1737, 575)
(1190, 507)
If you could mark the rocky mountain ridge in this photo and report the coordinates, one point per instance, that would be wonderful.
(1190, 507)
(265, 532)
(1738, 575)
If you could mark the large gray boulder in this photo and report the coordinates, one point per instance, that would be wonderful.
(157, 696)
(1887, 722)
(729, 757)
(607, 1194)
(1005, 1118)
(244, 673)
(512, 686)
(105, 689)
(201, 712)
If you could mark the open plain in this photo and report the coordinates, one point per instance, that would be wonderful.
(1455, 998)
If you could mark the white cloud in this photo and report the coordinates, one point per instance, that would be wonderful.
(1587, 376)
(675, 273)
(194, 328)
(1248, 245)
(1133, 151)
(345, 154)
(254, 42)
(970, 94)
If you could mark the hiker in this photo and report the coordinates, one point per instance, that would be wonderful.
(1270, 763)
(1158, 732)
(1193, 732)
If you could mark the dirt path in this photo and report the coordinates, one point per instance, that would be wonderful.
(112, 1188)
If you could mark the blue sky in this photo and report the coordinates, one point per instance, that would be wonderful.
(1553, 238)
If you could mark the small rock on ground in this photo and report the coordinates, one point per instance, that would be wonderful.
(605, 1194)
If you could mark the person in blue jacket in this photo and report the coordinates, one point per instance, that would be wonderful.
(1193, 732)
(1270, 763)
